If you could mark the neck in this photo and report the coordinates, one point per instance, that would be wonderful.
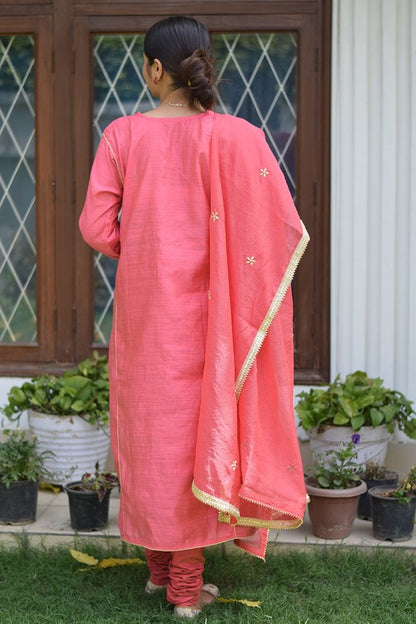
(176, 104)
(174, 100)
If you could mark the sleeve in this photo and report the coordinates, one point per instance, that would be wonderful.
(99, 220)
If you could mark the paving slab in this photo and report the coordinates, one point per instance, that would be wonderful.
(52, 526)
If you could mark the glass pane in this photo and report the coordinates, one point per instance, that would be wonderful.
(257, 75)
(119, 89)
(17, 190)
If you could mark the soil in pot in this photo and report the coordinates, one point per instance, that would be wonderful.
(392, 519)
(332, 512)
(86, 511)
(364, 503)
(18, 503)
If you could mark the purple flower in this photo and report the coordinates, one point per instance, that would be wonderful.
(355, 438)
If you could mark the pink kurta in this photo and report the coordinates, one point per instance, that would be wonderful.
(183, 325)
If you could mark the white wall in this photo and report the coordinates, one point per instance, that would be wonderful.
(5, 384)
(373, 190)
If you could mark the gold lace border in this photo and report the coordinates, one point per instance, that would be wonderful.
(271, 313)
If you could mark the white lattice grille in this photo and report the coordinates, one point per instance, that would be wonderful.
(257, 81)
(17, 190)
(257, 74)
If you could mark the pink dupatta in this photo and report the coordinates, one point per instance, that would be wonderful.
(248, 463)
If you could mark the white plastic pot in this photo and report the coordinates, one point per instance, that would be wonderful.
(77, 444)
(372, 446)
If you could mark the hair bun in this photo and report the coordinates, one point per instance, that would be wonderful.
(182, 44)
(196, 73)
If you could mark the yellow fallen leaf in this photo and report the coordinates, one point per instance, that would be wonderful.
(248, 603)
(251, 603)
(95, 564)
(113, 561)
(83, 557)
(56, 489)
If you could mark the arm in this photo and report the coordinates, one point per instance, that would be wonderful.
(98, 222)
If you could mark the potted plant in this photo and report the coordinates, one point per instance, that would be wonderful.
(334, 487)
(393, 509)
(22, 464)
(89, 499)
(374, 475)
(68, 414)
(358, 403)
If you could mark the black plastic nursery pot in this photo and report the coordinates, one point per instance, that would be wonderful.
(364, 503)
(392, 519)
(18, 503)
(86, 511)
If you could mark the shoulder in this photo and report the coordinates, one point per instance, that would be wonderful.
(231, 126)
(119, 128)
(235, 136)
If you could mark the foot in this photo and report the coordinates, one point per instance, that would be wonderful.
(151, 588)
(187, 612)
(208, 594)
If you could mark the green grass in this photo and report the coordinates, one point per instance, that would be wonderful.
(329, 586)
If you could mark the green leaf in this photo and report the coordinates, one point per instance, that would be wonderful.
(75, 382)
(78, 406)
(341, 419)
(357, 422)
(389, 412)
(348, 406)
(18, 396)
(64, 404)
(40, 396)
(376, 416)
(323, 482)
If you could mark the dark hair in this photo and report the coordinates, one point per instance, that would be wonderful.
(183, 46)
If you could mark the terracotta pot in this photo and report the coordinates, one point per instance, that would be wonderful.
(332, 512)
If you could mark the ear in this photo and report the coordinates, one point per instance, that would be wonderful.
(157, 67)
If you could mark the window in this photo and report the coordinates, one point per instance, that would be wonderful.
(18, 318)
(75, 73)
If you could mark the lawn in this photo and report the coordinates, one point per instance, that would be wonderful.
(324, 586)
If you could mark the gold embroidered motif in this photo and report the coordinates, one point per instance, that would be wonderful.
(214, 216)
(271, 313)
(250, 260)
(234, 465)
(209, 295)
(264, 173)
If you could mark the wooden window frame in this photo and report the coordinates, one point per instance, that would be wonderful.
(64, 156)
(21, 357)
